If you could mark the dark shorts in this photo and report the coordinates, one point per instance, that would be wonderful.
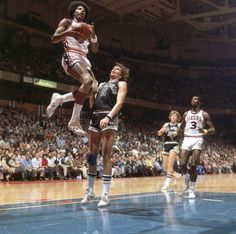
(171, 147)
(95, 122)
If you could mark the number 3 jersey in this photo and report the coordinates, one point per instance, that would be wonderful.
(194, 121)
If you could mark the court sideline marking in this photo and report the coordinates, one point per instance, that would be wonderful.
(96, 200)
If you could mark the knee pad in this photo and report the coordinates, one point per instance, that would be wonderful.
(92, 159)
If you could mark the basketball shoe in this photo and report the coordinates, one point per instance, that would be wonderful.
(191, 194)
(54, 103)
(165, 186)
(89, 196)
(77, 129)
(105, 201)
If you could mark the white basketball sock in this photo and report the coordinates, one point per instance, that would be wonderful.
(106, 179)
(193, 186)
(68, 97)
(91, 180)
(76, 114)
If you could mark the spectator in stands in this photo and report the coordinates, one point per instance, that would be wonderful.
(58, 165)
(28, 167)
(16, 166)
(37, 166)
(73, 167)
(234, 164)
(51, 164)
(1, 170)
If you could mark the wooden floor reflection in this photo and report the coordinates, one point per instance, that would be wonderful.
(24, 192)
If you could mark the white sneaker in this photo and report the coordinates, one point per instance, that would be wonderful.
(105, 201)
(191, 194)
(77, 129)
(186, 188)
(164, 188)
(54, 103)
(89, 196)
(177, 175)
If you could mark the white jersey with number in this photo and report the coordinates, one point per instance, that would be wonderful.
(74, 45)
(193, 121)
(75, 52)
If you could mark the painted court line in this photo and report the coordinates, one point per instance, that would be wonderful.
(213, 200)
(61, 203)
(77, 202)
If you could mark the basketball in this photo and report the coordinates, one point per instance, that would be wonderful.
(86, 30)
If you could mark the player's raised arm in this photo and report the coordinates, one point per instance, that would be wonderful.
(94, 40)
(62, 30)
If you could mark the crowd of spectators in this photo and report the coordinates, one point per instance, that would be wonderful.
(36, 148)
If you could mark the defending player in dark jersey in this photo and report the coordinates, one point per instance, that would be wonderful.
(171, 145)
(102, 130)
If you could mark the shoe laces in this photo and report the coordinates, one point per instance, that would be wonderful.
(105, 197)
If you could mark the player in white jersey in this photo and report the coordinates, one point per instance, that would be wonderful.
(196, 123)
(75, 62)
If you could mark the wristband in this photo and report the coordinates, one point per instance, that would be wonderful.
(109, 117)
(94, 40)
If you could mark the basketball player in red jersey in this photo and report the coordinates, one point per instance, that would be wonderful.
(75, 62)
(196, 124)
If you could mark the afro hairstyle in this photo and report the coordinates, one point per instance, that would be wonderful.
(73, 5)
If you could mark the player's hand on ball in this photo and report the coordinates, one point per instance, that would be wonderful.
(93, 34)
(81, 31)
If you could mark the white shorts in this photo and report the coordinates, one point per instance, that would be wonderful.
(69, 59)
(192, 143)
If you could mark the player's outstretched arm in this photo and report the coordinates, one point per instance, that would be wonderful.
(63, 30)
(162, 130)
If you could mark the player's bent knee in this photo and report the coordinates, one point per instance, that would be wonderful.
(87, 79)
(92, 159)
(93, 90)
(182, 163)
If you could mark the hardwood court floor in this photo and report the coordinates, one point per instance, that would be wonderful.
(137, 207)
(26, 192)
